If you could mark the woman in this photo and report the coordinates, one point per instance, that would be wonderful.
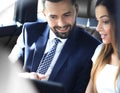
(105, 73)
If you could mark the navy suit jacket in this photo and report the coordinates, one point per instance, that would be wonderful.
(73, 66)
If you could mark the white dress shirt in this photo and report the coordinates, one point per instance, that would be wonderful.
(58, 50)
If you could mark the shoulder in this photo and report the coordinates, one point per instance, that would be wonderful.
(30, 25)
(97, 52)
(34, 28)
(84, 36)
(31, 31)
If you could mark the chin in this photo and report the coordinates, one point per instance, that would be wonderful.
(106, 42)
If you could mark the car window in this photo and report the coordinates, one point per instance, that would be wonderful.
(6, 12)
(39, 11)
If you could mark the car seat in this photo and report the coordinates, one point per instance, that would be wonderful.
(86, 17)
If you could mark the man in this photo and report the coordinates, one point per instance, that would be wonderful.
(71, 64)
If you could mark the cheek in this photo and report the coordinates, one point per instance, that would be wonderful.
(108, 31)
(70, 21)
(73, 20)
(109, 37)
(51, 23)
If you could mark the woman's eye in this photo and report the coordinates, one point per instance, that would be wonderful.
(106, 22)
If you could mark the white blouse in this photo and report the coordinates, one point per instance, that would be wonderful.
(105, 79)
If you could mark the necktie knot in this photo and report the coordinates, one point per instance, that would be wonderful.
(56, 41)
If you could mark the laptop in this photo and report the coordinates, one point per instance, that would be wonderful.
(48, 86)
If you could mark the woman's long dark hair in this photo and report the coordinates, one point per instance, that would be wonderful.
(107, 49)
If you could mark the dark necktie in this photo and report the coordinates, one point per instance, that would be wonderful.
(47, 58)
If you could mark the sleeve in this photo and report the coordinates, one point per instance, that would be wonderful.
(18, 50)
(97, 52)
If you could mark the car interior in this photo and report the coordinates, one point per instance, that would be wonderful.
(27, 11)
(86, 17)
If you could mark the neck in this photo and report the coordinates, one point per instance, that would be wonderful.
(114, 59)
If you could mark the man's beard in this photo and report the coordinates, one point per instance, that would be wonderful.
(63, 35)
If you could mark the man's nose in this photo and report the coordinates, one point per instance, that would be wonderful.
(61, 22)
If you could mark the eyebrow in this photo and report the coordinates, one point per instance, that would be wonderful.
(63, 14)
(68, 12)
(104, 16)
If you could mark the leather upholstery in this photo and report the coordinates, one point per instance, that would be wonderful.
(86, 15)
(86, 8)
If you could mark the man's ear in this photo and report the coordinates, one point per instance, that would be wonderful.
(77, 9)
(43, 12)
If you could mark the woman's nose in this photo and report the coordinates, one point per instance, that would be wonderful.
(99, 27)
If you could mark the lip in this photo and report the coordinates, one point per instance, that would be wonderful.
(103, 36)
(63, 29)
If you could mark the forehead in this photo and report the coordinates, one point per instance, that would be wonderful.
(101, 11)
(56, 1)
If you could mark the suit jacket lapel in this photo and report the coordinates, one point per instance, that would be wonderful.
(65, 53)
(39, 50)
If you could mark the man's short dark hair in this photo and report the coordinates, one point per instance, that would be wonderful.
(73, 1)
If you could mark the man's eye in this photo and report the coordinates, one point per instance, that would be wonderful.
(53, 17)
(67, 14)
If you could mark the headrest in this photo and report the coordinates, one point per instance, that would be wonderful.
(26, 11)
(86, 8)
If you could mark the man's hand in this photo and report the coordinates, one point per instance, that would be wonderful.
(33, 75)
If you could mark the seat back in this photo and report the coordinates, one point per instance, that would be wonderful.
(26, 11)
(86, 8)
(86, 17)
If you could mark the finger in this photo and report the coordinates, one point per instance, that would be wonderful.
(33, 75)
(40, 76)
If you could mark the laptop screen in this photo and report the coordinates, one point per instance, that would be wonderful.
(48, 86)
